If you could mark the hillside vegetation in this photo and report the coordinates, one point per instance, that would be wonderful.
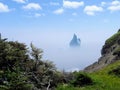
(113, 39)
(110, 53)
(105, 73)
(103, 79)
(22, 68)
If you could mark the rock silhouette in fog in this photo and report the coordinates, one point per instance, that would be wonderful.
(75, 42)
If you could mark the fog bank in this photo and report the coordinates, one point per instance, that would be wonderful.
(56, 46)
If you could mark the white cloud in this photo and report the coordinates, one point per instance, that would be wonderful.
(20, 1)
(39, 15)
(54, 4)
(72, 4)
(34, 6)
(4, 8)
(103, 3)
(34, 15)
(116, 2)
(59, 11)
(114, 6)
(90, 10)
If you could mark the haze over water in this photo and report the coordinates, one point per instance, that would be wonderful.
(56, 47)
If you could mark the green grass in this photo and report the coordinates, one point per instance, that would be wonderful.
(112, 39)
(102, 80)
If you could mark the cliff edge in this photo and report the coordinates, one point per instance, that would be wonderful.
(110, 53)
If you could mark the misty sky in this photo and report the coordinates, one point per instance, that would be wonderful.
(51, 24)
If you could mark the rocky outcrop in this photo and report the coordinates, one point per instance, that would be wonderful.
(75, 42)
(109, 53)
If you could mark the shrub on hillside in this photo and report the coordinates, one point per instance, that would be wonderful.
(115, 71)
(81, 79)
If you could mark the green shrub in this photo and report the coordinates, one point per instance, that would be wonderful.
(115, 71)
(14, 81)
(81, 79)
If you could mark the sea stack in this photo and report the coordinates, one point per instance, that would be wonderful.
(75, 42)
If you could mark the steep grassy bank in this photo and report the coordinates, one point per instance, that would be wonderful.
(102, 80)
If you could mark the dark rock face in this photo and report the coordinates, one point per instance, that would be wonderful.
(75, 42)
(109, 53)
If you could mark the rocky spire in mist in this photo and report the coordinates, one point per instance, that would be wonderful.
(75, 42)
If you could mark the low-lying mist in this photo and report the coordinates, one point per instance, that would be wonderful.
(56, 47)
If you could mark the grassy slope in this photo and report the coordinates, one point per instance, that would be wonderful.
(102, 80)
(113, 39)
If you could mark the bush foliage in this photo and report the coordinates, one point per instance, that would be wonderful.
(81, 79)
(23, 69)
